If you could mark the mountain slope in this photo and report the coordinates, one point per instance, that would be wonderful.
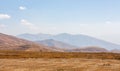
(8, 42)
(75, 40)
(85, 41)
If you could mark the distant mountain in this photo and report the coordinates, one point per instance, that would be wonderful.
(8, 42)
(57, 44)
(75, 40)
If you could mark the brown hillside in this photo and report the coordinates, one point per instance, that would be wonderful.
(8, 42)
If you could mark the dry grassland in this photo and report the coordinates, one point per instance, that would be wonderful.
(61, 64)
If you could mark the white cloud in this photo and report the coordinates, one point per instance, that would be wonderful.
(4, 16)
(29, 25)
(22, 8)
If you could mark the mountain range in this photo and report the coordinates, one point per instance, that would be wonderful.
(8, 42)
(72, 41)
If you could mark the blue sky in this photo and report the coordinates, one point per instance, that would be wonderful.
(98, 18)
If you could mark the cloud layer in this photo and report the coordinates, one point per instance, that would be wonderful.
(5, 16)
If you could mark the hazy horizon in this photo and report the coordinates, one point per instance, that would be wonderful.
(99, 19)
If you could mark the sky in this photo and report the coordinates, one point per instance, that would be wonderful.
(97, 18)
